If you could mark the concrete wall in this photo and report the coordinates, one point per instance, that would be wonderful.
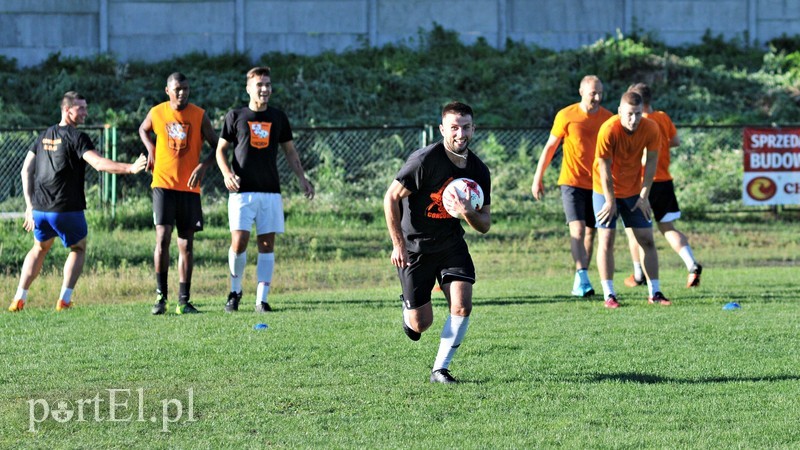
(151, 30)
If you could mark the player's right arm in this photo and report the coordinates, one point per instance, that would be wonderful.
(609, 209)
(537, 188)
(231, 181)
(391, 209)
(144, 134)
(28, 174)
(210, 136)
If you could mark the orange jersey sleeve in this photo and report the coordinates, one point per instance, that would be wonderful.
(625, 152)
(179, 139)
(578, 131)
(668, 131)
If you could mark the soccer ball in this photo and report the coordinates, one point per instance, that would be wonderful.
(463, 188)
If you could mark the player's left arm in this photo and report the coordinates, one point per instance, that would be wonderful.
(210, 136)
(675, 141)
(28, 175)
(294, 163)
(479, 219)
(643, 203)
(102, 164)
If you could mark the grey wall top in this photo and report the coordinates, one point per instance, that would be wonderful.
(152, 30)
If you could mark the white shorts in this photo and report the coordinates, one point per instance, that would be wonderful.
(265, 209)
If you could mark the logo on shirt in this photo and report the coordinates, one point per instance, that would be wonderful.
(259, 134)
(176, 136)
(435, 209)
(51, 145)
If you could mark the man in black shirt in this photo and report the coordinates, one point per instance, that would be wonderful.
(256, 131)
(427, 242)
(53, 185)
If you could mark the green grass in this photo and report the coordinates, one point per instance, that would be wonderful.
(334, 370)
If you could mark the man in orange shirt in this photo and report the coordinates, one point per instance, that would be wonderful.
(180, 128)
(619, 189)
(662, 198)
(577, 125)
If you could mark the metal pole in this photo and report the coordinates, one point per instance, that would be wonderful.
(104, 175)
(113, 177)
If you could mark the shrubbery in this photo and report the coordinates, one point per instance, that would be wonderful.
(715, 81)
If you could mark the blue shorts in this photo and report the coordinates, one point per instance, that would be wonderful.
(69, 226)
(630, 218)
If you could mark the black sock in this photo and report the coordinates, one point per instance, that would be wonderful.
(161, 283)
(183, 293)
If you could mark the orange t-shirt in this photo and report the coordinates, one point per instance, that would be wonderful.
(179, 139)
(625, 152)
(578, 129)
(668, 131)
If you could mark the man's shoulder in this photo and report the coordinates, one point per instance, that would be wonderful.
(611, 125)
(604, 112)
(660, 117)
(191, 107)
(276, 112)
(569, 111)
(236, 112)
(649, 125)
(427, 151)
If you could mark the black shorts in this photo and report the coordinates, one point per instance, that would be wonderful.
(663, 201)
(578, 204)
(418, 278)
(177, 208)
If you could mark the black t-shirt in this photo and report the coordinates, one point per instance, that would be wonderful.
(426, 226)
(255, 136)
(60, 169)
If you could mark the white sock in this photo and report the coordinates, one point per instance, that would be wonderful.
(21, 294)
(638, 273)
(455, 327)
(608, 288)
(236, 264)
(653, 286)
(264, 269)
(687, 256)
(66, 294)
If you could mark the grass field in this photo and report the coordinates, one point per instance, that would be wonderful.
(334, 370)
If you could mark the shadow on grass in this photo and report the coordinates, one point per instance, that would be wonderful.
(436, 298)
(533, 300)
(643, 378)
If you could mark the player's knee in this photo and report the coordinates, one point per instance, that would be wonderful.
(462, 311)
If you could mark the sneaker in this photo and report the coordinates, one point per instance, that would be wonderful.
(160, 306)
(694, 276)
(631, 281)
(583, 290)
(442, 376)
(263, 307)
(233, 301)
(186, 308)
(658, 298)
(413, 335)
(611, 302)
(62, 305)
(17, 305)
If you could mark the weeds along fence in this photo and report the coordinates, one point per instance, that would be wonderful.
(352, 167)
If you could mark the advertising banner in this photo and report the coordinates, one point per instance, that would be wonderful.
(771, 166)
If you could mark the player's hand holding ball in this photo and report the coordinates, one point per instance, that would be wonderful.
(461, 196)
